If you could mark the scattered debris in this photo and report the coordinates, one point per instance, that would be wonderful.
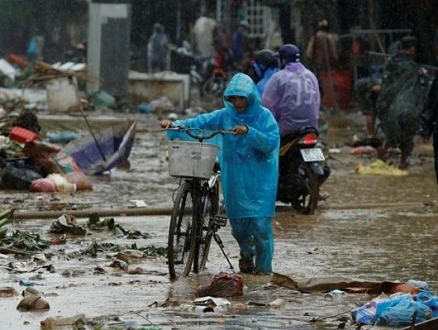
(222, 285)
(33, 303)
(67, 224)
(379, 167)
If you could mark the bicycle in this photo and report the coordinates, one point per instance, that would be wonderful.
(196, 216)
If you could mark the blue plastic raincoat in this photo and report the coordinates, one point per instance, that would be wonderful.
(293, 96)
(249, 169)
(264, 76)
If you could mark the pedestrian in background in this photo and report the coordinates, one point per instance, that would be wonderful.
(249, 169)
(157, 52)
(367, 90)
(239, 44)
(35, 48)
(400, 101)
(321, 52)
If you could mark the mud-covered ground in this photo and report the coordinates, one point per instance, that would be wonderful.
(372, 228)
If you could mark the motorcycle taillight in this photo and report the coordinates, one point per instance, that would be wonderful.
(309, 139)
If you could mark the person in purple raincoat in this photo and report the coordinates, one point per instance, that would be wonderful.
(292, 94)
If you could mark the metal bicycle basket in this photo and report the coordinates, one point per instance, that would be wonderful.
(191, 159)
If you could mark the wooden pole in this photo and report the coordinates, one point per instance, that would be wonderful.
(126, 212)
(27, 215)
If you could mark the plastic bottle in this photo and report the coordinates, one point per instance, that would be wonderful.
(66, 187)
(26, 283)
(335, 294)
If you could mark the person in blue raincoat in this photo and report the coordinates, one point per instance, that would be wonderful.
(249, 169)
(264, 66)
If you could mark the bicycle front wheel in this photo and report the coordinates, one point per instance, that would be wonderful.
(181, 232)
(210, 208)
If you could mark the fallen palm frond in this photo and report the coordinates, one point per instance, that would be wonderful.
(6, 216)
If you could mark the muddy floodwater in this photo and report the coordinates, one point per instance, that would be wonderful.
(372, 228)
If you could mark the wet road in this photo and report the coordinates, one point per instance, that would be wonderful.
(371, 228)
(368, 246)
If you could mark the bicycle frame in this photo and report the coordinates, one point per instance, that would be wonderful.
(191, 232)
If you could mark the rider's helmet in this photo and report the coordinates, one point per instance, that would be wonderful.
(288, 53)
(263, 60)
(266, 57)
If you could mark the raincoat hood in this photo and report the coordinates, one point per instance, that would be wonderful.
(242, 85)
(295, 67)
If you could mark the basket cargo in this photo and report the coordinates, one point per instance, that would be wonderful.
(191, 159)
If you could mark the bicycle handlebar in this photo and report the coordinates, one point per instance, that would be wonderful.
(200, 138)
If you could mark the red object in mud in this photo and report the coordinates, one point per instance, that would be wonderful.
(222, 285)
(22, 135)
(363, 150)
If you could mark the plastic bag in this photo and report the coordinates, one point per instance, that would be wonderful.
(366, 314)
(399, 312)
(425, 297)
(43, 185)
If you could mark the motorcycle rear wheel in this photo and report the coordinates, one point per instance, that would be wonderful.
(307, 203)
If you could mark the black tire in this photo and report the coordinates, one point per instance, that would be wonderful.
(180, 233)
(307, 203)
(210, 208)
(214, 86)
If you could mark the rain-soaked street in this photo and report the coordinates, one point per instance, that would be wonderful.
(372, 228)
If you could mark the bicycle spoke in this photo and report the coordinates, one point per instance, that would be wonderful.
(180, 233)
(210, 209)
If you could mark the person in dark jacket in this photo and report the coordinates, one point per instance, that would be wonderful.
(429, 121)
(400, 101)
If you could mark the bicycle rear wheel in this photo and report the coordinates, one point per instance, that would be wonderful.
(210, 208)
(180, 233)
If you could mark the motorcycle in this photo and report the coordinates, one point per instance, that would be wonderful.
(208, 73)
(217, 77)
(302, 170)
